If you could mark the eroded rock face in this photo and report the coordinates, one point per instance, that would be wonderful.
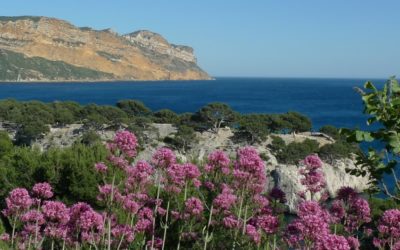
(287, 178)
(141, 55)
(158, 44)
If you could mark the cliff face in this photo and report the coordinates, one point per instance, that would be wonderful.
(96, 55)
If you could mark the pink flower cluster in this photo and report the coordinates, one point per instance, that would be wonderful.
(218, 161)
(165, 204)
(249, 171)
(125, 142)
(163, 158)
(389, 229)
(313, 178)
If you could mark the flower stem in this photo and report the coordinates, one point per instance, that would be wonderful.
(155, 210)
(165, 227)
(208, 227)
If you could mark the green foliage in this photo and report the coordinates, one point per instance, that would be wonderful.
(331, 131)
(90, 138)
(6, 144)
(183, 139)
(294, 151)
(383, 108)
(166, 116)
(215, 115)
(70, 170)
(378, 206)
(134, 108)
(15, 66)
(253, 127)
(337, 150)
(297, 122)
(31, 131)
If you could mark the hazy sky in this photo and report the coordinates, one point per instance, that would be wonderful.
(281, 38)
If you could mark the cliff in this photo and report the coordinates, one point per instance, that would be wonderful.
(49, 49)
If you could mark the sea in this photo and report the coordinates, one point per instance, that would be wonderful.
(324, 101)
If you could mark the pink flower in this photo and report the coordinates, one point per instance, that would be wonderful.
(230, 222)
(143, 225)
(139, 176)
(358, 213)
(194, 206)
(268, 223)
(101, 167)
(145, 213)
(249, 170)
(218, 161)
(130, 205)
(313, 178)
(17, 201)
(5, 237)
(56, 211)
(337, 211)
(225, 200)
(163, 158)
(33, 216)
(307, 208)
(126, 142)
(388, 228)
(106, 191)
(42, 190)
(313, 161)
(85, 224)
(156, 245)
(123, 232)
(333, 241)
(253, 234)
(354, 243)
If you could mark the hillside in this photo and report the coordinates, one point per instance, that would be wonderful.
(49, 49)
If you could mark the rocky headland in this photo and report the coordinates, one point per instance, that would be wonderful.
(50, 49)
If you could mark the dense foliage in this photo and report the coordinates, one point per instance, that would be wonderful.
(33, 119)
(382, 106)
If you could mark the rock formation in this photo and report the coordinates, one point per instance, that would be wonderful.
(49, 49)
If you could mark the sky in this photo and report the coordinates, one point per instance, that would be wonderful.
(256, 38)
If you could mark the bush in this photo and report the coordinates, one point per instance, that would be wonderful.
(6, 144)
(295, 151)
(331, 131)
(215, 115)
(337, 150)
(253, 127)
(183, 139)
(166, 116)
(134, 108)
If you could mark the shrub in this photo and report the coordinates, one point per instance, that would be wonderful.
(293, 152)
(215, 115)
(166, 116)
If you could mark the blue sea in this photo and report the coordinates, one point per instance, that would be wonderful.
(325, 101)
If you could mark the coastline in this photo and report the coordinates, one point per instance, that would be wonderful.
(105, 81)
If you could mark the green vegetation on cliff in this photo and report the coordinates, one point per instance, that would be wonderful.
(15, 66)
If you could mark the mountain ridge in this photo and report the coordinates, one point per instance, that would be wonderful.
(102, 55)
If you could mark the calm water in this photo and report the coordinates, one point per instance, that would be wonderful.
(325, 101)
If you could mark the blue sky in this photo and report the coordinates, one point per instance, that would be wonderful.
(281, 38)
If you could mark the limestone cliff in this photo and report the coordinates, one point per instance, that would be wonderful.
(29, 46)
